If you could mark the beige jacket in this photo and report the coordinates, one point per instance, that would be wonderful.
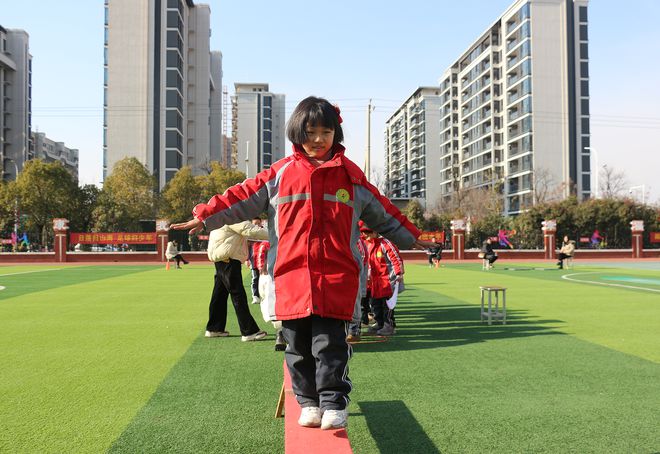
(230, 241)
(568, 248)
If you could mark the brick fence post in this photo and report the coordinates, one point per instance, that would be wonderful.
(61, 240)
(458, 238)
(637, 230)
(549, 239)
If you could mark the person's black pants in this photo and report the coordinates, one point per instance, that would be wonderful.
(228, 281)
(491, 258)
(561, 259)
(317, 357)
(179, 258)
(255, 282)
(366, 308)
(381, 311)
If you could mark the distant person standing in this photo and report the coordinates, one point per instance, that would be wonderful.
(228, 249)
(172, 253)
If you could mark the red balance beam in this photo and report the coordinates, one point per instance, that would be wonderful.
(306, 440)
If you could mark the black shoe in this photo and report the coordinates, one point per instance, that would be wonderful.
(280, 343)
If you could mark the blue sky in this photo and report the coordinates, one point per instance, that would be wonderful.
(350, 51)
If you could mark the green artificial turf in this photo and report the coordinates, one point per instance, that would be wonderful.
(99, 358)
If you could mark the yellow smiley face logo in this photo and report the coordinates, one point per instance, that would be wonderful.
(342, 195)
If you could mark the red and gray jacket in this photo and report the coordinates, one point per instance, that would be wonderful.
(385, 265)
(312, 221)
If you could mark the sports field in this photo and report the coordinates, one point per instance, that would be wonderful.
(113, 358)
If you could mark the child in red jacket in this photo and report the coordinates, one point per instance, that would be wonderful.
(385, 269)
(314, 199)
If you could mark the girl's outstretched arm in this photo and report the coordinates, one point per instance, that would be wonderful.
(195, 225)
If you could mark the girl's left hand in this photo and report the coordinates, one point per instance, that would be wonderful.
(195, 225)
(423, 245)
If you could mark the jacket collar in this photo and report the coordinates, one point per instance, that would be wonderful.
(337, 158)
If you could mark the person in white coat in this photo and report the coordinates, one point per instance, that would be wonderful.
(228, 249)
(172, 253)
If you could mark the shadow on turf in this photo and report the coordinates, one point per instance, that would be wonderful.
(450, 322)
(395, 429)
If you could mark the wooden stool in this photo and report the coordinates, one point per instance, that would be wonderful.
(496, 313)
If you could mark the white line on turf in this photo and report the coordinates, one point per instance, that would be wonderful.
(2, 288)
(28, 272)
(567, 277)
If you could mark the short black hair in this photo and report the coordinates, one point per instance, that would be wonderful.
(313, 111)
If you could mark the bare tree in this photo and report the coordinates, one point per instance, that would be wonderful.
(612, 182)
(545, 187)
(472, 202)
(378, 178)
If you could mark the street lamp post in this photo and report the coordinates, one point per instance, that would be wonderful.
(643, 188)
(594, 171)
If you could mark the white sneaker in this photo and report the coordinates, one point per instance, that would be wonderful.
(216, 334)
(310, 417)
(254, 337)
(334, 419)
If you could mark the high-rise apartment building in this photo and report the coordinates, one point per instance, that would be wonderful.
(514, 108)
(162, 86)
(49, 150)
(413, 133)
(257, 128)
(15, 101)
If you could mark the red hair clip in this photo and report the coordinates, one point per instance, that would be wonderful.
(338, 113)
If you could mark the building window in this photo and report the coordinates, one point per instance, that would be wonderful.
(585, 126)
(586, 182)
(174, 60)
(172, 159)
(584, 69)
(173, 19)
(586, 163)
(173, 99)
(584, 88)
(584, 51)
(583, 14)
(173, 39)
(584, 36)
(173, 119)
(267, 136)
(585, 144)
(174, 80)
(173, 140)
(584, 106)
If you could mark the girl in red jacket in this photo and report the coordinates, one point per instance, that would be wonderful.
(314, 199)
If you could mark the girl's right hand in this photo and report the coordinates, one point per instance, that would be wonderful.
(195, 225)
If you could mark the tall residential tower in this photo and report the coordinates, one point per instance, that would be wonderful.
(162, 86)
(257, 128)
(514, 111)
(15, 102)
